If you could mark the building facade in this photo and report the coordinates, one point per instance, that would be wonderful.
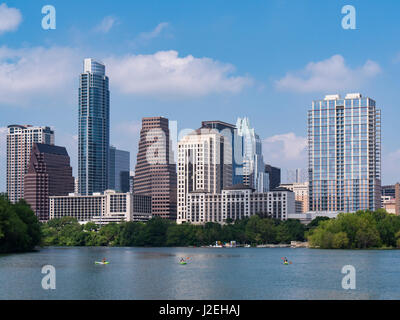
(118, 170)
(201, 166)
(344, 140)
(274, 176)
(49, 174)
(300, 191)
(155, 172)
(238, 202)
(94, 128)
(20, 139)
(101, 208)
(253, 167)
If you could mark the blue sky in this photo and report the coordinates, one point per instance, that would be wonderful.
(200, 60)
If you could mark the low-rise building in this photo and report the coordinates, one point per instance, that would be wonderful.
(102, 208)
(238, 202)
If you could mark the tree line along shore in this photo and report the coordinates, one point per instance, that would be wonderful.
(20, 231)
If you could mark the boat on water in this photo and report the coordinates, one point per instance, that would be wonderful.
(183, 263)
(101, 262)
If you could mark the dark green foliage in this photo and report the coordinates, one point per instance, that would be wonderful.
(19, 227)
(160, 232)
(363, 229)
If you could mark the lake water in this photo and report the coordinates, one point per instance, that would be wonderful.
(212, 273)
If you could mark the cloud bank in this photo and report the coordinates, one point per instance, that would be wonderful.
(166, 74)
(328, 75)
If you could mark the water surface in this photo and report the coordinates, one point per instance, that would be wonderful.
(212, 273)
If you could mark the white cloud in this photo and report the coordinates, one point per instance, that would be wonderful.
(106, 24)
(166, 74)
(328, 75)
(286, 151)
(10, 18)
(38, 72)
(154, 33)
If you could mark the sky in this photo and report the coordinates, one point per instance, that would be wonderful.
(200, 60)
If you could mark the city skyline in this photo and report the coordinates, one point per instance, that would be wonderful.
(253, 78)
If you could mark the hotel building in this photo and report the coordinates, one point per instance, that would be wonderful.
(20, 139)
(110, 206)
(344, 140)
(238, 202)
(201, 166)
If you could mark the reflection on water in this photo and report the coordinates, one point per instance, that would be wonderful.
(212, 273)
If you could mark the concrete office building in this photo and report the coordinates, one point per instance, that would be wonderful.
(155, 172)
(49, 174)
(118, 170)
(20, 139)
(238, 202)
(344, 139)
(201, 166)
(93, 128)
(101, 208)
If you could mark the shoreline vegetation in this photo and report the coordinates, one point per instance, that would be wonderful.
(20, 231)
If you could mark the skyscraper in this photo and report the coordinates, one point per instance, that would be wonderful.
(94, 128)
(344, 139)
(155, 172)
(201, 166)
(49, 174)
(274, 176)
(254, 174)
(119, 168)
(20, 139)
(232, 143)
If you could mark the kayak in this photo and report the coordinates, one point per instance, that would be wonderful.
(285, 263)
(101, 262)
(182, 263)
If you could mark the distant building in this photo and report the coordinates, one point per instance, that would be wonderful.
(20, 139)
(102, 208)
(131, 181)
(118, 170)
(93, 128)
(389, 191)
(233, 146)
(389, 204)
(238, 202)
(274, 176)
(253, 166)
(301, 194)
(49, 173)
(297, 175)
(76, 185)
(155, 172)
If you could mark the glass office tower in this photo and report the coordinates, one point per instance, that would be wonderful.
(344, 138)
(119, 168)
(94, 128)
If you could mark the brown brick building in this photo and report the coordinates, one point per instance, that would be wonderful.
(155, 172)
(49, 174)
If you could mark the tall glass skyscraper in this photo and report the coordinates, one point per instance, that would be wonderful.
(344, 138)
(94, 128)
(254, 174)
